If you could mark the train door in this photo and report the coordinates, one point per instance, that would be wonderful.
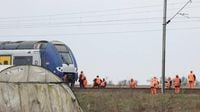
(5, 60)
(36, 58)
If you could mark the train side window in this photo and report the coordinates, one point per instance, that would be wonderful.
(5, 62)
(23, 60)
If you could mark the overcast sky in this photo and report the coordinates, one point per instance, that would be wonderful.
(116, 39)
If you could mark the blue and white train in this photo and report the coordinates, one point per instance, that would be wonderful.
(52, 55)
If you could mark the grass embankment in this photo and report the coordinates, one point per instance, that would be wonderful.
(137, 102)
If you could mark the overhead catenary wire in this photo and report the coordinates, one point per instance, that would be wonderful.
(52, 18)
(90, 23)
(78, 18)
(138, 20)
(98, 21)
(84, 33)
(127, 21)
(101, 33)
(86, 12)
(82, 17)
(85, 22)
(190, 1)
(111, 20)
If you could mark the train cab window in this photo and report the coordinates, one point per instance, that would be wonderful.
(23, 60)
(66, 58)
(61, 48)
(64, 53)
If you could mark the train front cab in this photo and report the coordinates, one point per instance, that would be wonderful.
(69, 66)
(50, 59)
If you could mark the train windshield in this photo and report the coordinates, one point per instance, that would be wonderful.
(66, 58)
(64, 53)
(61, 48)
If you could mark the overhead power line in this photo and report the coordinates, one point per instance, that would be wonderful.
(95, 21)
(80, 17)
(67, 17)
(89, 33)
(92, 23)
(86, 12)
(88, 23)
(100, 33)
(190, 1)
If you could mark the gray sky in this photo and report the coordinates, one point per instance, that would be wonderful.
(117, 39)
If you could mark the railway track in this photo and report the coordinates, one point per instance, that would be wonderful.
(138, 90)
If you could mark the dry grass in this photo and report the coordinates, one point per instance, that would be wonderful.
(137, 102)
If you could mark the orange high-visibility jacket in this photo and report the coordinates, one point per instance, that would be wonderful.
(132, 83)
(81, 77)
(98, 80)
(85, 83)
(154, 83)
(177, 82)
(168, 85)
(191, 77)
(103, 84)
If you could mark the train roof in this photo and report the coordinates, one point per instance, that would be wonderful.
(9, 45)
(57, 42)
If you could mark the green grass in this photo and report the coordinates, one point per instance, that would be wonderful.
(137, 102)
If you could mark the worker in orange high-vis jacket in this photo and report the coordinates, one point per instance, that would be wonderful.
(81, 77)
(154, 85)
(169, 83)
(177, 84)
(103, 83)
(97, 82)
(85, 83)
(191, 79)
(132, 83)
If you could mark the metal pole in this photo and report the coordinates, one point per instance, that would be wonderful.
(164, 45)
